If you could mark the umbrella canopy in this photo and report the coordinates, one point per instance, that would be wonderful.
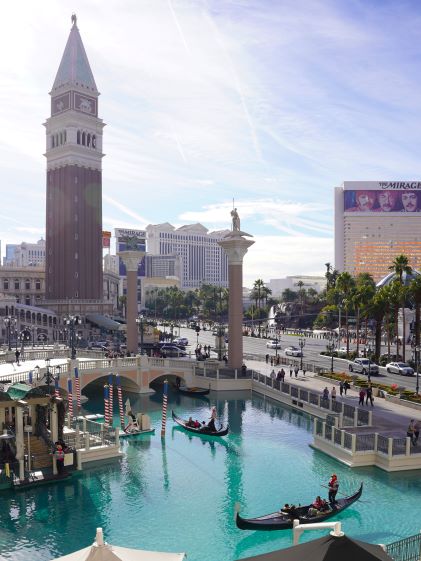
(328, 548)
(101, 551)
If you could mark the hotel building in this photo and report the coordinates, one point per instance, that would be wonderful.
(374, 222)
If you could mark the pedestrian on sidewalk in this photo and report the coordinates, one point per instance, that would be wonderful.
(416, 431)
(410, 431)
(347, 386)
(304, 371)
(273, 374)
(341, 387)
(325, 394)
(282, 374)
(271, 360)
(333, 393)
(362, 396)
(369, 396)
(291, 368)
(17, 355)
(267, 359)
(296, 370)
(279, 376)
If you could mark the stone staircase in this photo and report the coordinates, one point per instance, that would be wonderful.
(40, 452)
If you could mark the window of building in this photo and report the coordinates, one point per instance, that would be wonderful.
(6, 284)
(27, 284)
(38, 284)
(28, 300)
(17, 284)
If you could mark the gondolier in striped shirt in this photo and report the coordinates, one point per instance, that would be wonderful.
(333, 488)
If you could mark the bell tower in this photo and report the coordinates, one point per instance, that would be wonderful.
(74, 185)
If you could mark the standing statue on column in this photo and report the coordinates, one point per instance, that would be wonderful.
(235, 220)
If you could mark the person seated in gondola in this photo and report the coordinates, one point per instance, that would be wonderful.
(197, 424)
(320, 505)
(293, 512)
(190, 422)
(285, 509)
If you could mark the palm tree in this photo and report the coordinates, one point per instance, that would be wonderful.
(377, 310)
(345, 287)
(400, 266)
(257, 291)
(415, 292)
(364, 292)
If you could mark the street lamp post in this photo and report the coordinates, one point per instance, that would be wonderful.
(417, 350)
(367, 352)
(276, 346)
(302, 344)
(9, 323)
(48, 376)
(139, 321)
(71, 322)
(331, 348)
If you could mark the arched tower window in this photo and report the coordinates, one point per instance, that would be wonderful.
(93, 141)
(78, 137)
(88, 140)
(65, 137)
(83, 139)
(52, 141)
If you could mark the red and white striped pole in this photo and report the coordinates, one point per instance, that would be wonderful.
(120, 400)
(164, 408)
(70, 398)
(111, 402)
(77, 387)
(106, 411)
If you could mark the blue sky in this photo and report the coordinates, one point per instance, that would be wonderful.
(272, 103)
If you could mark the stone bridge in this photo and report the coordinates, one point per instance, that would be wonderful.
(136, 373)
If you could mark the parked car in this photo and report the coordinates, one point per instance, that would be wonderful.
(293, 351)
(364, 366)
(273, 345)
(401, 368)
(182, 341)
(172, 350)
(98, 345)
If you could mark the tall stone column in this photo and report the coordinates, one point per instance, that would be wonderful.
(236, 247)
(131, 260)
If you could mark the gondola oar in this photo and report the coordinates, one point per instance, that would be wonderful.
(343, 494)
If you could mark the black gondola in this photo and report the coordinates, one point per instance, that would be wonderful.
(199, 392)
(279, 521)
(202, 430)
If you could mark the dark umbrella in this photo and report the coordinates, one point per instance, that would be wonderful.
(328, 548)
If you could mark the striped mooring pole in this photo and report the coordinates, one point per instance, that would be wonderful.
(111, 401)
(106, 414)
(120, 400)
(77, 388)
(164, 408)
(70, 398)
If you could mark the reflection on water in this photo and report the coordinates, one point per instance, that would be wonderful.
(178, 493)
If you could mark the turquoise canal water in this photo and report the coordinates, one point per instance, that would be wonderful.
(179, 494)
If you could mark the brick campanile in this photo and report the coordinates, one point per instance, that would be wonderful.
(74, 180)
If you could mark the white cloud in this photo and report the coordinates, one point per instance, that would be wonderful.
(273, 257)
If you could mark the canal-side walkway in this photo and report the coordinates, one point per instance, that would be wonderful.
(388, 418)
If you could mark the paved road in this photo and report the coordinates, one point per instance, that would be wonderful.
(312, 349)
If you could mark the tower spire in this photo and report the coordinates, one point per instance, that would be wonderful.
(74, 69)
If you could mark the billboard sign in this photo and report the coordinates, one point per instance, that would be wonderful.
(130, 240)
(106, 239)
(391, 197)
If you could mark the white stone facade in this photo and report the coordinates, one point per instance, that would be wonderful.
(203, 261)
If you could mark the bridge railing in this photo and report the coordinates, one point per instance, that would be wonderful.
(407, 549)
(348, 414)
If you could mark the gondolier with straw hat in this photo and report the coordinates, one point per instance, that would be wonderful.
(333, 488)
